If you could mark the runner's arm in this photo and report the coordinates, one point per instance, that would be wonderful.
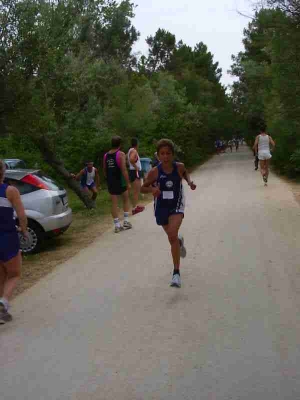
(272, 143)
(97, 178)
(255, 148)
(104, 167)
(151, 178)
(186, 176)
(78, 176)
(13, 195)
(124, 169)
(133, 159)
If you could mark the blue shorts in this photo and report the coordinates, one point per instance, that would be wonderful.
(9, 246)
(91, 186)
(162, 215)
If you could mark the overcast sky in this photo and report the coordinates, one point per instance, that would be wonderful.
(214, 22)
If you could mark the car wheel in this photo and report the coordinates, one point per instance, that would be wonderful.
(33, 243)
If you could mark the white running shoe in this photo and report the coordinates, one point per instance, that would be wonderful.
(182, 247)
(176, 281)
(127, 225)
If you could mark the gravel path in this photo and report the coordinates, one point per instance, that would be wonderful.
(106, 325)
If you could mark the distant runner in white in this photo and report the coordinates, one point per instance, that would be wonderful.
(262, 146)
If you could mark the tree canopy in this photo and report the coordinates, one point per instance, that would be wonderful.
(69, 81)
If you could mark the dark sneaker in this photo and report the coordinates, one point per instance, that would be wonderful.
(176, 281)
(127, 225)
(265, 178)
(7, 317)
(4, 315)
(119, 229)
(182, 247)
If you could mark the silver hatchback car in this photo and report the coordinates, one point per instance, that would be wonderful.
(45, 203)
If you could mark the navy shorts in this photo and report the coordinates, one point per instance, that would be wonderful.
(9, 245)
(92, 185)
(162, 215)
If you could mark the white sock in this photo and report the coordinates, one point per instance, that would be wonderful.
(117, 223)
(126, 216)
(4, 301)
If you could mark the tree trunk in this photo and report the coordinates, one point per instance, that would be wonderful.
(50, 157)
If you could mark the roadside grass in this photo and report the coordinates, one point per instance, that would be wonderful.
(88, 217)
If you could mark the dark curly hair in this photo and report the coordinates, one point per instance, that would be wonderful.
(166, 143)
(116, 142)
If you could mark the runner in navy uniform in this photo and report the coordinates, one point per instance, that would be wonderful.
(10, 256)
(165, 183)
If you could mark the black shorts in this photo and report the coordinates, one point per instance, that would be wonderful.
(133, 175)
(116, 190)
(90, 187)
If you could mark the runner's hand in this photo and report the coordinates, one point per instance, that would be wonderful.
(156, 192)
(128, 186)
(25, 234)
(192, 186)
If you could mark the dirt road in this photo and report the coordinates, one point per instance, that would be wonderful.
(106, 325)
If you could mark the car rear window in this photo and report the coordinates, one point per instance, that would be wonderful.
(23, 188)
(20, 164)
(15, 164)
(52, 185)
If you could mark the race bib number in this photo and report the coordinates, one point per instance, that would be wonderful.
(169, 195)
